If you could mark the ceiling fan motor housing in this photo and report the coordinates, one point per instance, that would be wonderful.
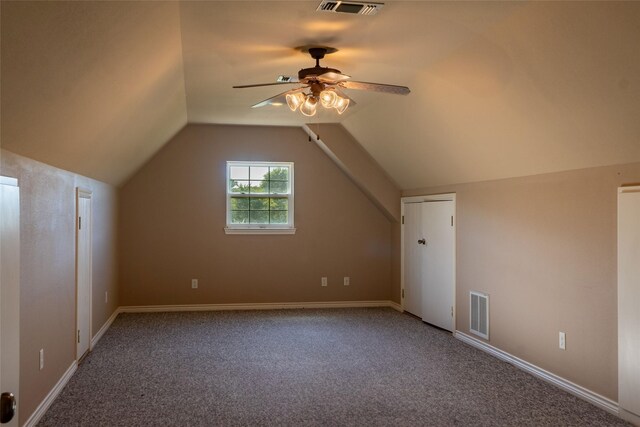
(311, 73)
(316, 53)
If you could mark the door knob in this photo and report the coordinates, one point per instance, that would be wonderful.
(7, 407)
(422, 242)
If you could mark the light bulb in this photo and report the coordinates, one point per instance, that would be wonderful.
(328, 98)
(309, 106)
(341, 104)
(294, 100)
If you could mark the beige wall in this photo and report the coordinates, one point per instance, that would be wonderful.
(544, 248)
(172, 214)
(354, 161)
(47, 282)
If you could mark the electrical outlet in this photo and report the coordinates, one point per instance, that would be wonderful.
(41, 359)
(562, 341)
(346, 281)
(194, 283)
(106, 297)
(324, 281)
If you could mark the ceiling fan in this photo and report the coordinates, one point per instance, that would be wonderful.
(321, 85)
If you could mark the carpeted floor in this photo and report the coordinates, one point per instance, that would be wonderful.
(334, 367)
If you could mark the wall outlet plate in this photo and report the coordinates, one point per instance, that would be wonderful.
(562, 341)
(347, 281)
(194, 283)
(41, 359)
(324, 281)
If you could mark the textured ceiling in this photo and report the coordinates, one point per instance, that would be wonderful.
(499, 89)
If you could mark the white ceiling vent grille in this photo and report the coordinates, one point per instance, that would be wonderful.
(352, 7)
(479, 314)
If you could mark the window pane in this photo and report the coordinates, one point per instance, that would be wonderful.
(259, 217)
(259, 204)
(239, 204)
(250, 188)
(258, 172)
(279, 173)
(258, 187)
(239, 172)
(278, 204)
(279, 187)
(240, 217)
(279, 217)
(236, 186)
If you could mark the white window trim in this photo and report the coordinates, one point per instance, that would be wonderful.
(260, 228)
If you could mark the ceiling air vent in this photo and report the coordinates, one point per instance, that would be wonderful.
(350, 7)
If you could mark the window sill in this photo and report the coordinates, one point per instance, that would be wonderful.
(229, 230)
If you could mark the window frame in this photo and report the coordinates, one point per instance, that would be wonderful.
(287, 228)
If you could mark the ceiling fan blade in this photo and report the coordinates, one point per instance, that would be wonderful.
(277, 99)
(376, 87)
(287, 79)
(265, 84)
(330, 76)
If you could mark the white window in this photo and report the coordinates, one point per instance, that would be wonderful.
(259, 198)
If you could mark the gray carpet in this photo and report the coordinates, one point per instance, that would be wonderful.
(334, 367)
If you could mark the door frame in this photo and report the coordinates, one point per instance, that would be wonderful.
(625, 321)
(10, 294)
(83, 193)
(429, 198)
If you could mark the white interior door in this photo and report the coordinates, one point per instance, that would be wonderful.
(83, 273)
(9, 298)
(412, 269)
(438, 263)
(629, 302)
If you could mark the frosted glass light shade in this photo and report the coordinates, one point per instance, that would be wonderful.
(341, 104)
(310, 106)
(328, 98)
(294, 100)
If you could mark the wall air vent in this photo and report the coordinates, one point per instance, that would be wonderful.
(352, 7)
(479, 314)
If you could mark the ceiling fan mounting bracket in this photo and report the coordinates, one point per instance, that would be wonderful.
(317, 53)
(308, 48)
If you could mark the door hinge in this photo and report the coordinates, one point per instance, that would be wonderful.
(451, 311)
(403, 219)
(78, 336)
(79, 223)
(452, 220)
(403, 293)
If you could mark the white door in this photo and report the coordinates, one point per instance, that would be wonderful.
(9, 298)
(83, 273)
(629, 302)
(438, 263)
(412, 233)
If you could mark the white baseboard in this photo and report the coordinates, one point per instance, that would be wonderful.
(104, 328)
(396, 306)
(566, 385)
(631, 417)
(48, 400)
(256, 306)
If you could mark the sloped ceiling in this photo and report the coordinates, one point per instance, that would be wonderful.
(92, 87)
(499, 89)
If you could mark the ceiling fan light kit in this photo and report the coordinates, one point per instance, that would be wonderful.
(324, 87)
(308, 103)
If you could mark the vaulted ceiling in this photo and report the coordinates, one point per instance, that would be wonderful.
(499, 89)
